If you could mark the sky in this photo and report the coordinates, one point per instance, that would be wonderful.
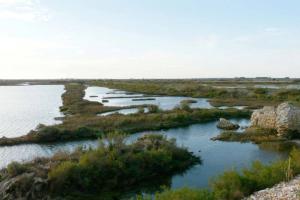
(149, 38)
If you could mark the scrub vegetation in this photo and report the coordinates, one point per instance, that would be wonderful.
(235, 185)
(74, 104)
(116, 168)
(221, 92)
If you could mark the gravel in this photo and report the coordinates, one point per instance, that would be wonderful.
(282, 191)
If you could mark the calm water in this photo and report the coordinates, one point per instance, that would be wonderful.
(126, 111)
(164, 102)
(27, 106)
(217, 156)
(24, 107)
(268, 86)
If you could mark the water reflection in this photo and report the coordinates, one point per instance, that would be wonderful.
(123, 98)
(217, 156)
(126, 111)
(24, 107)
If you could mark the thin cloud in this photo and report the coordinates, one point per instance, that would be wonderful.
(209, 41)
(23, 10)
(16, 2)
(268, 33)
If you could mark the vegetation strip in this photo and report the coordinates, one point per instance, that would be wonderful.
(255, 135)
(219, 96)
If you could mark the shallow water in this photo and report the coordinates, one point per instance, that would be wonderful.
(267, 86)
(217, 156)
(22, 108)
(237, 107)
(126, 111)
(28, 152)
(164, 102)
(289, 86)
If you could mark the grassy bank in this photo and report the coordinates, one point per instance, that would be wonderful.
(92, 126)
(256, 135)
(234, 185)
(104, 173)
(74, 104)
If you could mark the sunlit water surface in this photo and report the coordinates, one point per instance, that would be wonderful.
(28, 106)
(22, 108)
(217, 156)
(164, 102)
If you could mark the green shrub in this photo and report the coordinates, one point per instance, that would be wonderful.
(62, 173)
(228, 186)
(261, 91)
(233, 185)
(141, 110)
(153, 109)
(117, 165)
(185, 106)
(16, 168)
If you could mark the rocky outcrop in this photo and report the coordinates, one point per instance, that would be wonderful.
(282, 191)
(227, 125)
(284, 119)
(24, 187)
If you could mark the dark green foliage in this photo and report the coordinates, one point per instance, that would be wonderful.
(141, 110)
(117, 165)
(185, 106)
(292, 134)
(260, 91)
(153, 109)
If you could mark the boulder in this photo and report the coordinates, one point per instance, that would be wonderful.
(284, 119)
(227, 125)
(24, 187)
(265, 117)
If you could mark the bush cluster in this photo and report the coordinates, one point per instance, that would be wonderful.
(115, 165)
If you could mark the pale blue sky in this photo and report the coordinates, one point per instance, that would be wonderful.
(149, 38)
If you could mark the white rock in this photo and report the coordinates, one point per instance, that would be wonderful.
(284, 118)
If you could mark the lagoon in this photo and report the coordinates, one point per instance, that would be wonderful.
(22, 108)
(40, 104)
(123, 98)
